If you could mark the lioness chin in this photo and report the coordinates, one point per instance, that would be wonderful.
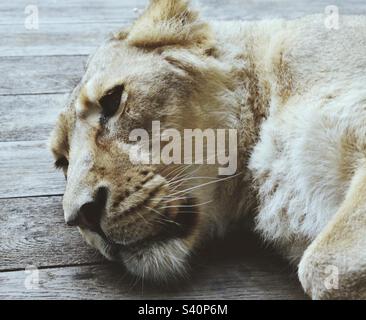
(295, 93)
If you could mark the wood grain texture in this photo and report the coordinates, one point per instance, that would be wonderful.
(67, 11)
(55, 39)
(57, 20)
(29, 117)
(100, 11)
(33, 232)
(26, 169)
(108, 282)
(31, 75)
(223, 272)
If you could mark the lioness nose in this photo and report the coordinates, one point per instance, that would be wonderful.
(89, 214)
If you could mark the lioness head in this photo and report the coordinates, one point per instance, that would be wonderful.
(151, 217)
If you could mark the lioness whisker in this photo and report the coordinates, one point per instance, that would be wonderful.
(180, 172)
(142, 217)
(187, 206)
(206, 184)
(161, 215)
(178, 198)
(190, 178)
(177, 169)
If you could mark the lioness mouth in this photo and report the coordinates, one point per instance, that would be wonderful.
(185, 215)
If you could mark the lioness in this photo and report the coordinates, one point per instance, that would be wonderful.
(295, 92)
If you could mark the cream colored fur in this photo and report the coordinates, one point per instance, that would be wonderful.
(296, 93)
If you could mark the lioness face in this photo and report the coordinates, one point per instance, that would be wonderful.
(150, 217)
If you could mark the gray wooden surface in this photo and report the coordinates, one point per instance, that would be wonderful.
(38, 69)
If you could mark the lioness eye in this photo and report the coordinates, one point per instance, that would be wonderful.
(111, 100)
(61, 163)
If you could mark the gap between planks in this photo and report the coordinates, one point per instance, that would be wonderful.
(109, 282)
(33, 232)
(27, 170)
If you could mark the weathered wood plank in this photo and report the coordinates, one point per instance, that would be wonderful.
(30, 75)
(226, 270)
(67, 11)
(68, 33)
(55, 38)
(29, 117)
(26, 169)
(268, 9)
(107, 282)
(60, 73)
(33, 232)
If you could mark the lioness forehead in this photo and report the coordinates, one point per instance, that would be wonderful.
(115, 58)
(115, 63)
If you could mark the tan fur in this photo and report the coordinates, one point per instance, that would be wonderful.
(339, 246)
(298, 103)
(171, 23)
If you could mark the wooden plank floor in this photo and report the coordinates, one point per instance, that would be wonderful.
(39, 68)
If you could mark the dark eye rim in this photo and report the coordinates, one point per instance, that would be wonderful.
(61, 163)
(111, 101)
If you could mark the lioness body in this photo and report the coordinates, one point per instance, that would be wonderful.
(292, 89)
(313, 139)
(314, 136)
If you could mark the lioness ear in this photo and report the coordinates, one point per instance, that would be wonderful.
(169, 23)
(202, 67)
